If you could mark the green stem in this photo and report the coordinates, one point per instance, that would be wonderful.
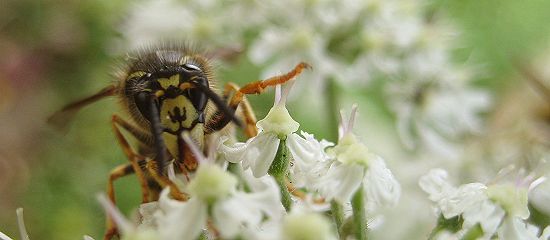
(359, 216)
(453, 225)
(279, 170)
(332, 111)
(337, 214)
(238, 171)
(286, 199)
(474, 233)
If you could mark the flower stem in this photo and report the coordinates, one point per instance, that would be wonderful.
(286, 199)
(337, 214)
(359, 217)
(238, 171)
(474, 233)
(279, 170)
(453, 225)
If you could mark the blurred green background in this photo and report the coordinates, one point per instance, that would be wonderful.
(54, 52)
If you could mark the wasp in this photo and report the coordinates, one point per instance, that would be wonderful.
(167, 91)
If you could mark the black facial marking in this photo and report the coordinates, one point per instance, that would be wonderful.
(177, 116)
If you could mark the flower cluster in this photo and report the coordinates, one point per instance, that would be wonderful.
(276, 185)
(400, 44)
(481, 211)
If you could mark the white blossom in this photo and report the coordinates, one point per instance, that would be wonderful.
(231, 210)
(499, 208)
(258, 153)
(353, 166)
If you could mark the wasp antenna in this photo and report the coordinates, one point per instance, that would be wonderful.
(156, 130)
(219, 103)
(194, 149)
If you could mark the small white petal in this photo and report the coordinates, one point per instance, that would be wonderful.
(232, 152)
(341, 181)
(515, 229)
(435, 183)
(247, 210)
(485, 213)
(21, 224)
(183, 221)
(5, 237)
(466, 196)
(381, 187)
(310, 159)
(260, 153)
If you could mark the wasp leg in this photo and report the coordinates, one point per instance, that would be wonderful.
(165, 182)
(246, 109)
(258, 87)
(220, 120)
(123, 170)
(116, 173)
(299, 193)
(133, 157)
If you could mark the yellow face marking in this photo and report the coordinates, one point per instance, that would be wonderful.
(171, 142)
(136, 74)
(167, 82)
(178, 112)
(197, 134)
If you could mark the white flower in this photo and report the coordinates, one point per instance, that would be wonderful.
(469, 200)
(258, 153)
(232, 211)
(496, 207)
(354, 166)
(309, 159)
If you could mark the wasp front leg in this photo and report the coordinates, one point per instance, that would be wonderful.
(220, 120)
(124, 170)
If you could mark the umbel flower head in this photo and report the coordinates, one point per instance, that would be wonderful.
(355, 168)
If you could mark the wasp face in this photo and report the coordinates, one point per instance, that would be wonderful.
(174, 84)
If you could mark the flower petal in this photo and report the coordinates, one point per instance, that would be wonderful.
(260, 153)
(181, 220)
(310, 159)
(380, 185)
(515, 229)
(341, 181)
(247, 210)
(435, 183)
(232, 152)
